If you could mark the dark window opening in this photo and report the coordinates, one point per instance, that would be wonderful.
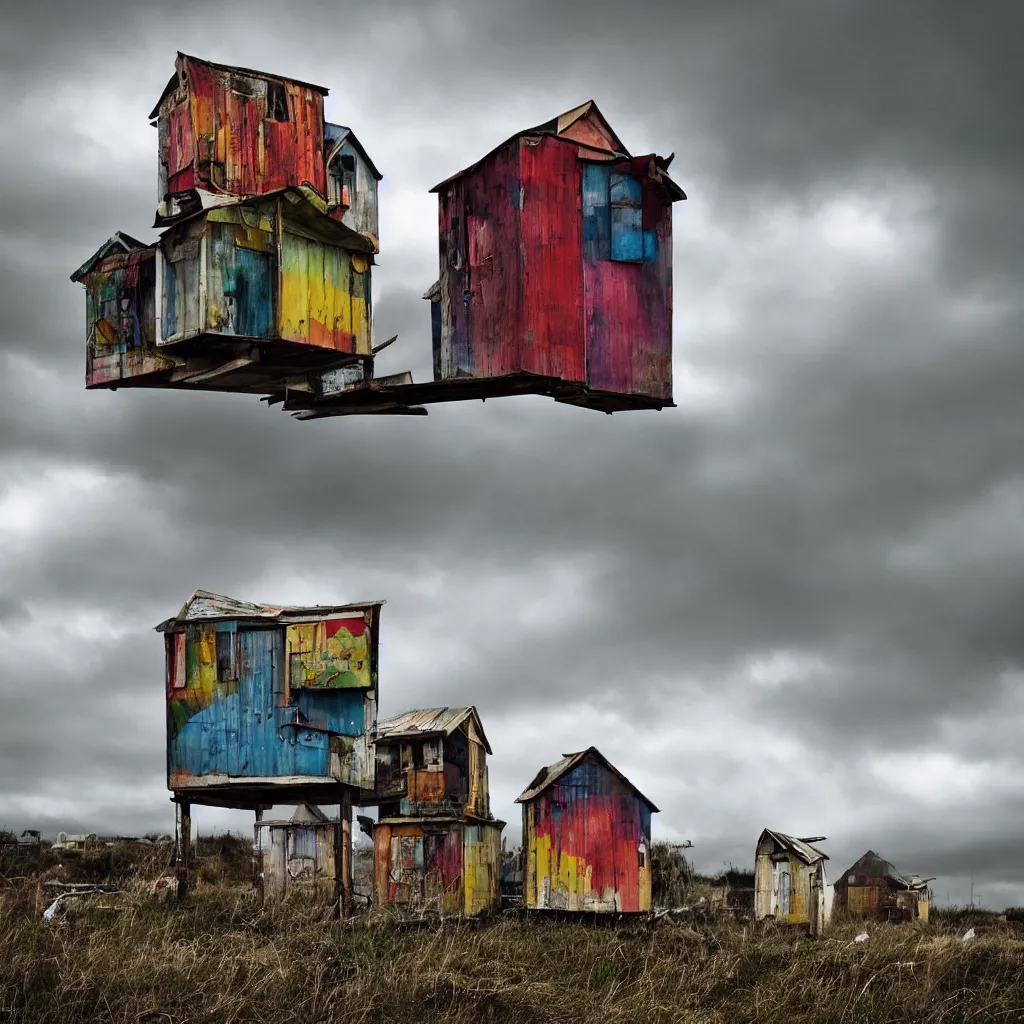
(641, 857)
(342, 182)
(226, 657)
(277, 102)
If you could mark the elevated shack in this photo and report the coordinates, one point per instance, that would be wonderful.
(270, 705)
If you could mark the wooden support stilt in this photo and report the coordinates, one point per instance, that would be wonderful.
(182, 845)
(257, 854)
(343, 857)
(346, 854)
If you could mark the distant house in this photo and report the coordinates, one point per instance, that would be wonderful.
(873, 888)
(790, 884)
(586, 837)
(81, 841)
(297, 853)
(436, 846)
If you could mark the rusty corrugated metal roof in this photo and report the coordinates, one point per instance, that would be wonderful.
(172, 84)
(206, 606)
(546, 776)
(429, 722)
(807, 853)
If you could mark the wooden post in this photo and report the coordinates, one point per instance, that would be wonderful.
(183, 845)
(257, 853)
(346, 853)
(343, 857)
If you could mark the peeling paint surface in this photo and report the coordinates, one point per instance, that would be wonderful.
(446, 867)
(233, 712)
(556, 261)
(587, 837)
(238, 131)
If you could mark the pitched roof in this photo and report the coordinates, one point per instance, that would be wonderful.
(173, 83)
(120, 242)
(586, 127)
(307, 812)
(558, 127)
(807, 853)
(204, 606)
(337, 135)
(553, 772)
(888, 870)
(430, 722)
(306, 206)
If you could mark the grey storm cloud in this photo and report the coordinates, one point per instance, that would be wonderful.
(804, 578)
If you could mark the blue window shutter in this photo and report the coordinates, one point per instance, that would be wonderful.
(627, 220)
(596, 223)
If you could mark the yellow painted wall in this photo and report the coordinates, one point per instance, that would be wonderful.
(324, 292)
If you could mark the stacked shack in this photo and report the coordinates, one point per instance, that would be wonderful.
(260, 279)
(270, 705)
(873, 888)
(437, 847)
(587, 838)
(555, 273)
(789, 881)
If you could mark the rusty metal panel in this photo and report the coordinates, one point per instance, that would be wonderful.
(627, 291)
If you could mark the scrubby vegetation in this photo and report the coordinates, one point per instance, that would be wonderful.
(223, 957)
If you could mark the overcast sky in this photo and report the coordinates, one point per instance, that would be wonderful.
(794, 601)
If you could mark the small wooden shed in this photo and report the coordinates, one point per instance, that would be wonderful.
(873, 888)
(587, 838)
(440, 865)
(789, 881)
(298, 853)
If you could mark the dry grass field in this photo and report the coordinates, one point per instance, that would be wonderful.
(223, 957)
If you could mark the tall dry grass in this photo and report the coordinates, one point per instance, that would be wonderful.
(224, 958)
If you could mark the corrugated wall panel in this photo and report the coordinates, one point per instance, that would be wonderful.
(584, 839)
(552, 327)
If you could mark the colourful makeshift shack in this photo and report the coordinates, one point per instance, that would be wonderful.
(873, 888)
(436, 846)
(270, 705)
(246, 295)
(587, 838)
(237, 132)
(297, 854)
(439, 865)
(789, 881)
(555, 279)
(431, 761)
(229, 131)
